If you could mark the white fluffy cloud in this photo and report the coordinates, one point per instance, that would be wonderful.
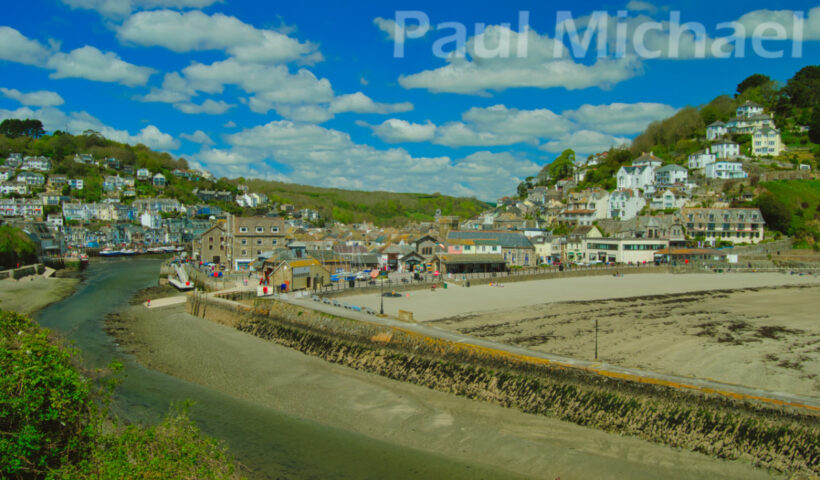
(494, 61)
(78, 122)
(360, 103)
(16, 47)
(321, 156)
(195, 30)
(584, 142)
(117, 9)
(394, 130)
(300, 113)
(209, 107)
(40, 98)
(620, 118)
(198, 137)
(90, 63)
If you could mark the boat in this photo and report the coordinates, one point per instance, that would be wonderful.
(107, 252)
(128, 252)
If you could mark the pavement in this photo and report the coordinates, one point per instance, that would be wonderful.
(166, 302)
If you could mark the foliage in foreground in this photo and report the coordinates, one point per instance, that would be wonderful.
(53, 422)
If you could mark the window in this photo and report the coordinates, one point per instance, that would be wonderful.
(244, 252)
(260, 230)
(259, 241)
(210, 239)
(259, 252)
(275, 242)
(243, 229)
(210, 247)
(274, 229)
(244, 241)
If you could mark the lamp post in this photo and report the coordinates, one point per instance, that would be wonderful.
(596, 339)
(381, 299)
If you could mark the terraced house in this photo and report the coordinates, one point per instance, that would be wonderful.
(735, 225)
(515, 248)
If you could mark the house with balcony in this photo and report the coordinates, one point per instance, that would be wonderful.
(39, 163)
(143, 174)
(749, 109)
(724, 149)
(735, 225)
(670, 176)
(726, 170)
(31, 179)
(76, 183)
(699, 160)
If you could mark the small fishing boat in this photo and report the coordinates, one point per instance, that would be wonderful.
(107, 252)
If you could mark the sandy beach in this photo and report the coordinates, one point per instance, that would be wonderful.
(218, 357)
(754, 329)
(30, 294)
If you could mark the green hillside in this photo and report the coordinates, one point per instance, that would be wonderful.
(793, 207)
(382, 208)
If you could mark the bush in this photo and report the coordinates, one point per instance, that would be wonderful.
(53, 422)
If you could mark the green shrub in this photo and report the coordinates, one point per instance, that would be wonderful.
(53, 423)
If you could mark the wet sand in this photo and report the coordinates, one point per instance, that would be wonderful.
(221, 358)
(31, 294)
(767, 338)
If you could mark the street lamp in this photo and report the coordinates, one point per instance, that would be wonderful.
(381, 299)
(596, 339)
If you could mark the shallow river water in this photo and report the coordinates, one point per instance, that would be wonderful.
(270, 443)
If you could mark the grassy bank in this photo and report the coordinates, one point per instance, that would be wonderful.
(54, 422)
(769, 437)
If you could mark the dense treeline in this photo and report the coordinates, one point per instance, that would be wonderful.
(53, 424)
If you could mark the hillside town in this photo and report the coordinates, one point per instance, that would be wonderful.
(659, 212)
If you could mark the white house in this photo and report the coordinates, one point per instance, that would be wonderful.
(699, 160)
(725, 149)
(638, 178)
(83, 158)
(749, 109)
(13, 187)
(585, 207)
(143, 174)
(750, 124)
(151, 220)
(647, 160)
(668, 199)
(41, 164)
(670, 175)
(30, 178)
(5, 173)
(766, 141)
(251, 200)
(725, 170)
(625, 204)
(75, 183)
(716, 130)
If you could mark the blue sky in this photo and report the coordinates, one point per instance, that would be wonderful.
(313, 92)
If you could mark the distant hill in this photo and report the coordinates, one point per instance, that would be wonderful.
(381, 208)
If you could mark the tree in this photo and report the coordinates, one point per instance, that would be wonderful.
(13, 128)
(814, 126)
(775, 212)
(804, 88)
(752, 81)
(562, 166)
